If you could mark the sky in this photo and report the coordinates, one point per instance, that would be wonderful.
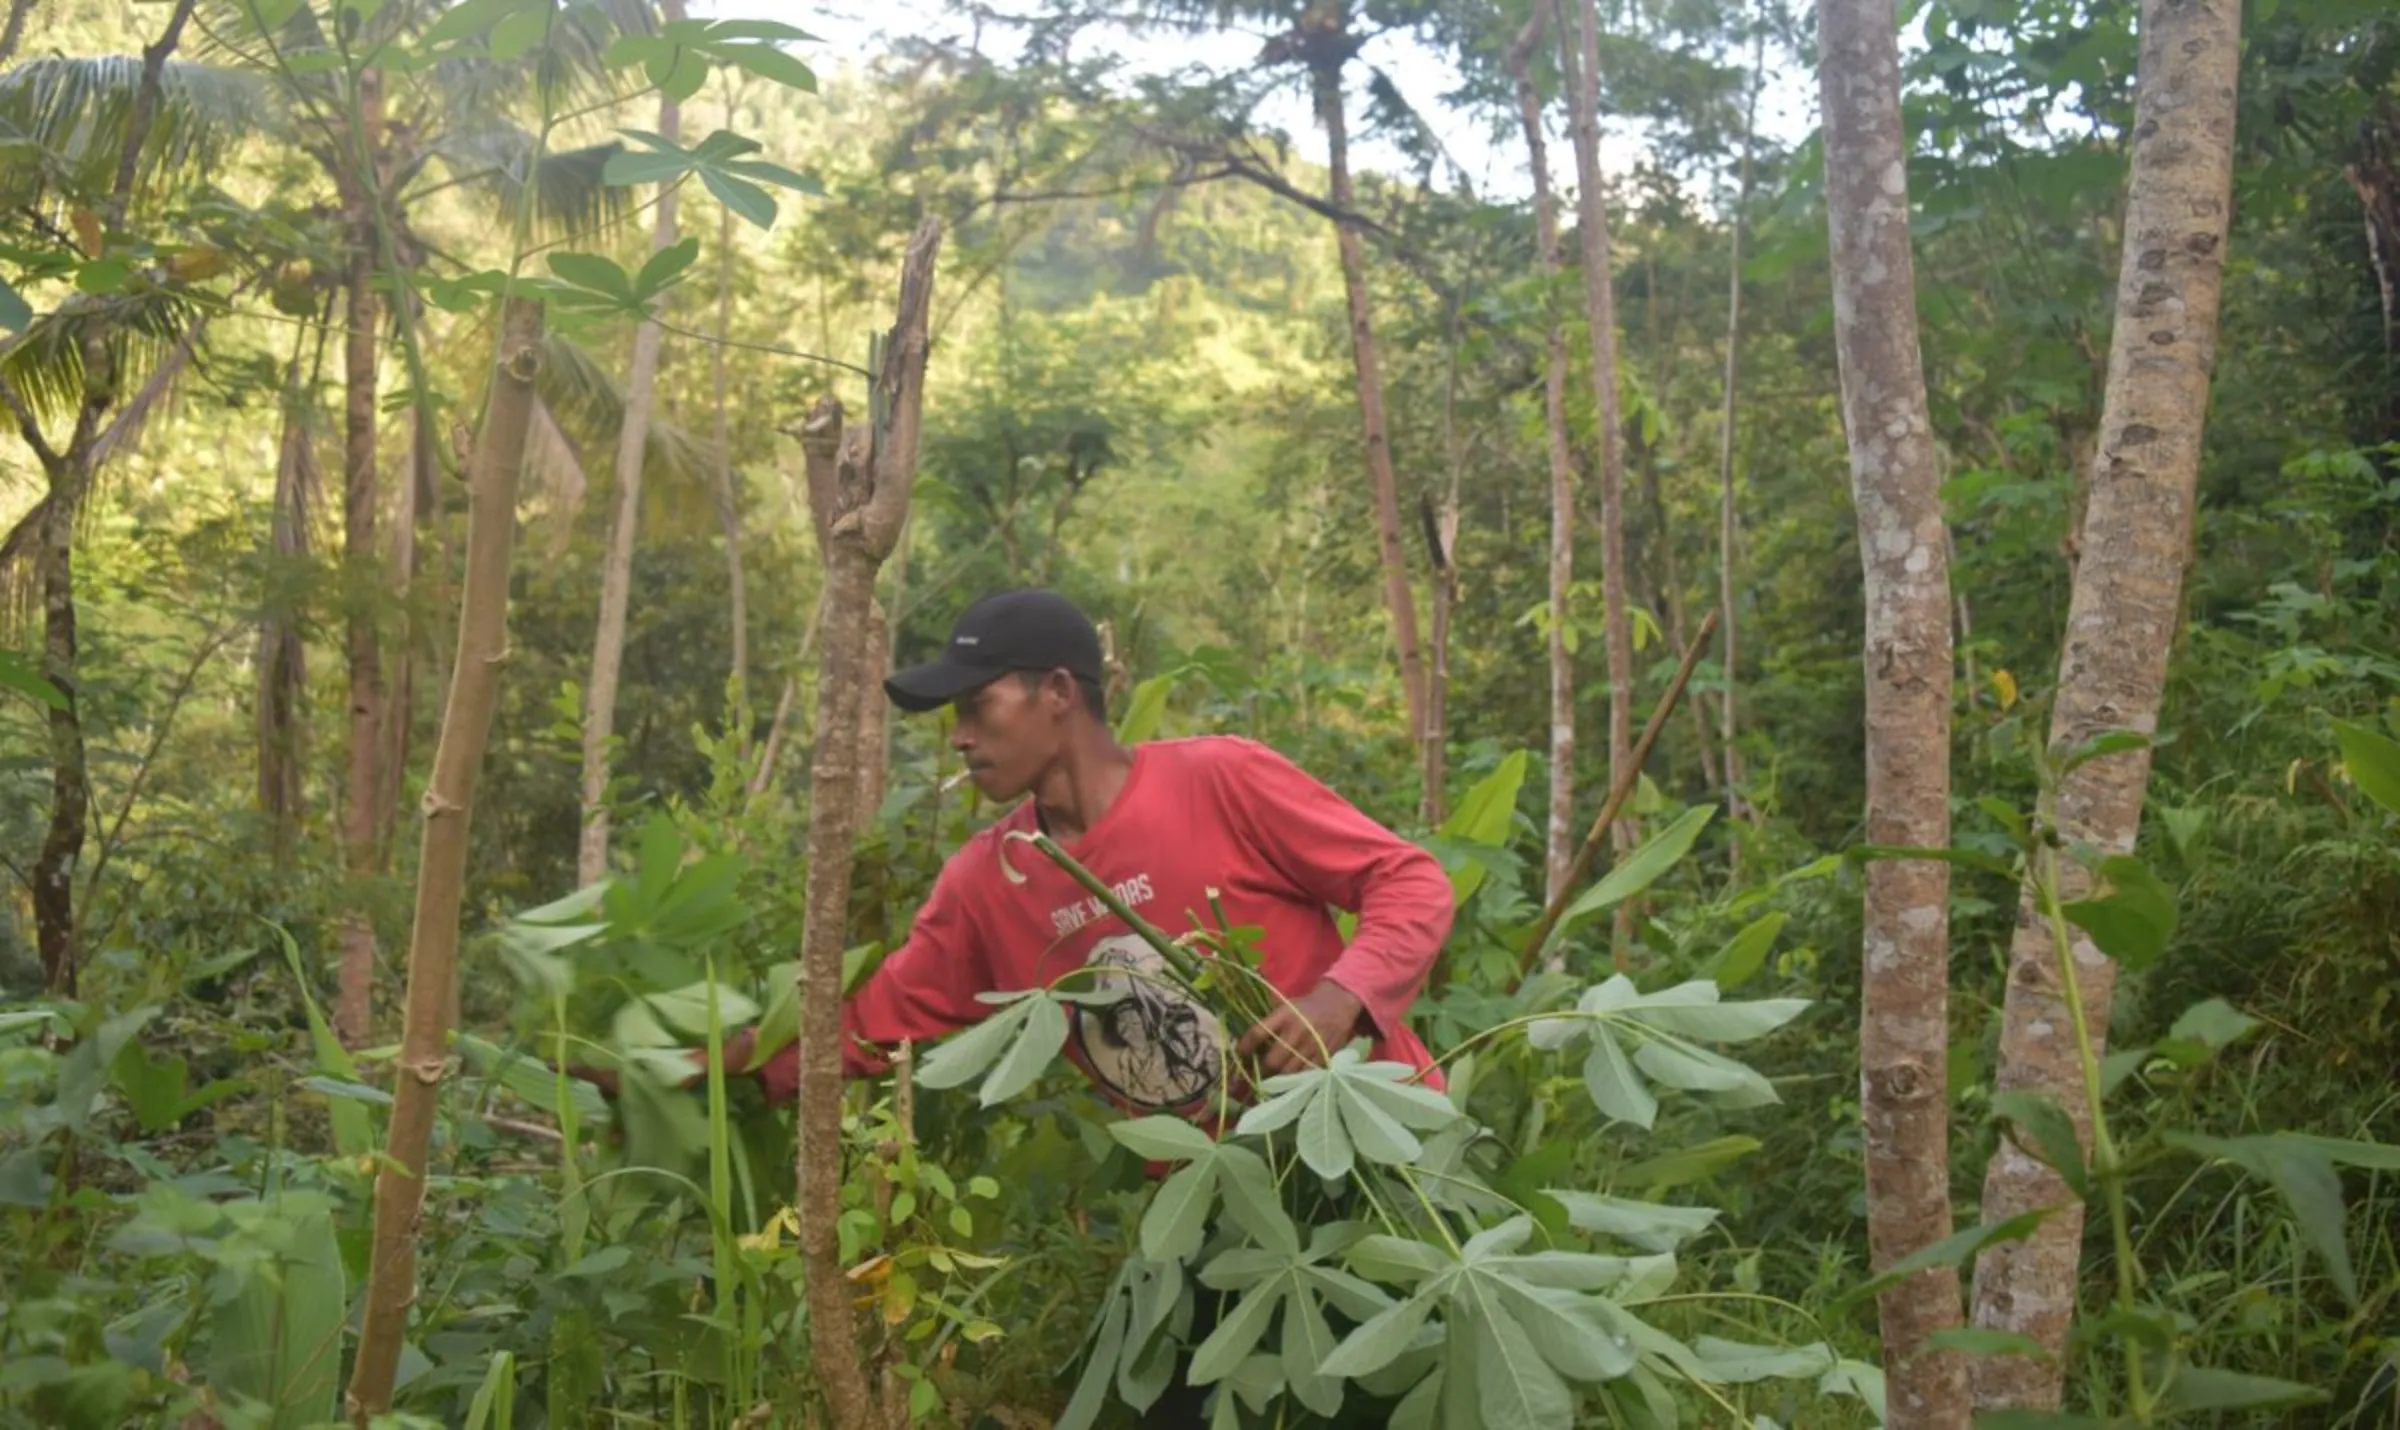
(855, 31)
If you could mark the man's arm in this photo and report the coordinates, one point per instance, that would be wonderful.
(1327, 846)
(925, 988)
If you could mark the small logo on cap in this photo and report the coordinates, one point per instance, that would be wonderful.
(967, 640)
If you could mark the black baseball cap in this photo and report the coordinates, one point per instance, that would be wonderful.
(1005, 632)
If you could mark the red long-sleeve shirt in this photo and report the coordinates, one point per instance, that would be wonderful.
(1223, 812)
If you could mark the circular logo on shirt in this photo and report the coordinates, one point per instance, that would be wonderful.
(1155, 1047)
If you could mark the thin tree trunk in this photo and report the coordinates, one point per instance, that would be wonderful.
(1728, 496)
(616, 578)
(13, 34)
(1560, 844)
(442, 859)
(1441, 545)
(363, 787)
(69, 476)
(871, 504)
(1600, 306)
(729, 500)
(282, 654)
(1904, 1020)
(2121, 623)
(1375, 428)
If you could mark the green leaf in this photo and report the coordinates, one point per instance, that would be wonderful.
(1738, 1363)
(2195, 1388)
(1250, 1198)
(1235, 1336)
(1323, 1143)
(1619, 1094)
(1741, 959)
(24, 677)
(2373, 762)
(1091, 1392)
(1519, 1390)
(1689, 1165)
(631, 166)
(1163, 1139)
(2134, 920)
(966, 1054)
(1643, 867)
(1380, 1339)
(280, 1340)
(1147, 708)
(2053, 1134)
(665, 266)
(1486, 812)
(746, 199)
(2304, 1173)
(353, 1127)
(15, 313)
(1176, 1220)
(600, 275)
(1045, 1033)
(1977, 1341)
(2108, 742)
(1698, 1070)
(1691, 1010)
(686, 1008)
(518, 33)
(467, 19)
(1956, 1249)
(103, 275)
(768, 63)
(1648, 1225)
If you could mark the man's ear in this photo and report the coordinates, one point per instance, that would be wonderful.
(1058, 690)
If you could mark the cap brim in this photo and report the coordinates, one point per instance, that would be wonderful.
(934, 684)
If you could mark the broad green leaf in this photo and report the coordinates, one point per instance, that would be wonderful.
(1396, 1259)
(966, 1054)
(1518, 1389)
(279, 1342)
(1307, 1341)
(1323, 1143)
(1741, 959)
(2053, 1134)
(1091, 1392)
(1146, 709)
(1562, 1331)
(1163, 1138)
(768, 63)
(1176, 1221)
(665, 266)
(1681, 1011)
(746, 199)
(353, 1128)
(1648, 1225)
(2215, 1024)
(16, 672)
(2304, 1174)
(2379, 1156)
(1956, 1249)
(1737, 1363)
(1616, 1090)
(2195, 1388)
(1977, 1341)
(1045, 1033)
(1250, 1199)
(1235, 1336)
(1643, 867)
(687, 1007)
(2133, 921)
(2373, 761)
(2108, 742)
(1698, 1070)
(1689, 1165)
(467, 19)
(1859, 1379)
(1374, 1133)
(517, 34)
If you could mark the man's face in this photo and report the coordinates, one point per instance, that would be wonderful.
(1010, 731)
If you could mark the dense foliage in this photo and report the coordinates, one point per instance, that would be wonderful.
(1142, 395)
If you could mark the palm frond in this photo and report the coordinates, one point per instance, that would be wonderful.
(63, 118)
(589, 405)
(143, 331)
(19, 572)
(134, 413)
(569, 195)
(558, 480)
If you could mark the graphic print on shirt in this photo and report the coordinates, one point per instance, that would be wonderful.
(1155, 1047)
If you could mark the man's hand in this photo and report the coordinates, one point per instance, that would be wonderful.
(1304, 1033)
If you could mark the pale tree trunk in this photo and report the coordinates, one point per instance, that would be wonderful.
(363, 787)
(616, 578)
(69, 475)
(12, 31)
(1728, 501)
(1441, 548)
(729, 500)
(870, 505)
(1600, 307)
(1375, 428)
(2121, 623)
(1895, 483)
(442, 859)
(282, 654)
(1560, 845)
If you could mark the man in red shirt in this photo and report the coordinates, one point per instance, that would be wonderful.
(1162, 824)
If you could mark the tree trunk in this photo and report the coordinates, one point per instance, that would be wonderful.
(1728, 501)
(1895, 483)
(442, 859)
(12, 32)
(69, 476)
(1600, 307)
(870, 504)
(1559, 847)
(362, 789)
(282, 697)
(729, 500)
(2121, 623)
(1441, 549)
(1375, 429)
(616, 578)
